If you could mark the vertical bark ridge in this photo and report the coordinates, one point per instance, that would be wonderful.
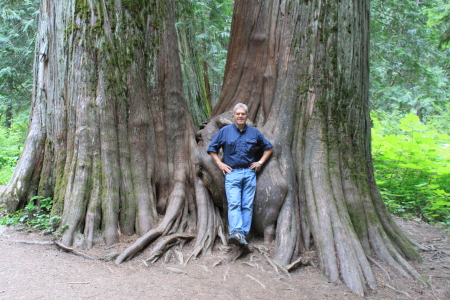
(317, 189)
(355, 243)
(92, 225)
(127, 193)
(110, 163)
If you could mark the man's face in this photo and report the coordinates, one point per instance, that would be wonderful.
(240, 117)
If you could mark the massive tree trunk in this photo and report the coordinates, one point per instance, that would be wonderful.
(303, 69)
(111, 140)
(110, 132)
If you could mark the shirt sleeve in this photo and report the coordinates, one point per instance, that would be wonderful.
(216, 143)
(263, 142)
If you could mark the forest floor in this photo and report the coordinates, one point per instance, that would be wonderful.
(32, 267)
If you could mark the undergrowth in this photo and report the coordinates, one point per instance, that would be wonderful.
(35, 216)
(11, 146)
(412, 168)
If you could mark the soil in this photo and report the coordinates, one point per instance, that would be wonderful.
(33, 267)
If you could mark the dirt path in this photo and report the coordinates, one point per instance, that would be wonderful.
(36, 271)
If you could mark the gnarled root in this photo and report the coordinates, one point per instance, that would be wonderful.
(164, 244)
(174, 211)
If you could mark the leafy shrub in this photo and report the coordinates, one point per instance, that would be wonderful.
(36, 215)
(412, 168)
(11, 145)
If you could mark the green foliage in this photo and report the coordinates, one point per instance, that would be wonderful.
(203, 32)
(409, 71)
(439, 17)
(412, 167)
(11, 145)
(36, 216)
(17, 39)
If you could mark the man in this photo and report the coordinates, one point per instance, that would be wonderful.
(239, 142)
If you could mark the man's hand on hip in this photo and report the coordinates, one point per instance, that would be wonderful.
(255, 165)
(224, 168)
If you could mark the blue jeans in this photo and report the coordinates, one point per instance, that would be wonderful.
(240, 187)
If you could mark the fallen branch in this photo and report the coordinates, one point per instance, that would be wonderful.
(74, 251)
(30, 242)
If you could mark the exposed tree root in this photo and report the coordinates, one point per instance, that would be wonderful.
(164, 244)
(240, 252)
(74, 251)
(174, 210)
(276, 265)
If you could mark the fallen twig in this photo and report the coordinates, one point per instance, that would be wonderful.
(432, 288)
(74, 251)
(379, 266)
(175, 270)
(254, 279)
(395, 290)
(205, 268)
(219, 262)
(226, 275)
(250, 264)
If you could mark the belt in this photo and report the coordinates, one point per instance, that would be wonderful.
(241, 167)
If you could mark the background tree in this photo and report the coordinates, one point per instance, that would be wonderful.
(17, 41)
(112, 142)
(409, 71)
(203, 29)
(440, 16)
(17, 47)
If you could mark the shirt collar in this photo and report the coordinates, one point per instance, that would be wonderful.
(245, 128)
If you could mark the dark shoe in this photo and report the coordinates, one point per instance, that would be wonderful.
(238, 240)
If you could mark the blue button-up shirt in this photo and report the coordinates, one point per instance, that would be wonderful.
(238, 146)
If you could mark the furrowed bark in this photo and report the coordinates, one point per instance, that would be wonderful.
(112, 142)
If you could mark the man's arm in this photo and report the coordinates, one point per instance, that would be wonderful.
(256, 165)
(223, 167)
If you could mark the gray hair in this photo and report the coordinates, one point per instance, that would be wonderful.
(240, 105)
